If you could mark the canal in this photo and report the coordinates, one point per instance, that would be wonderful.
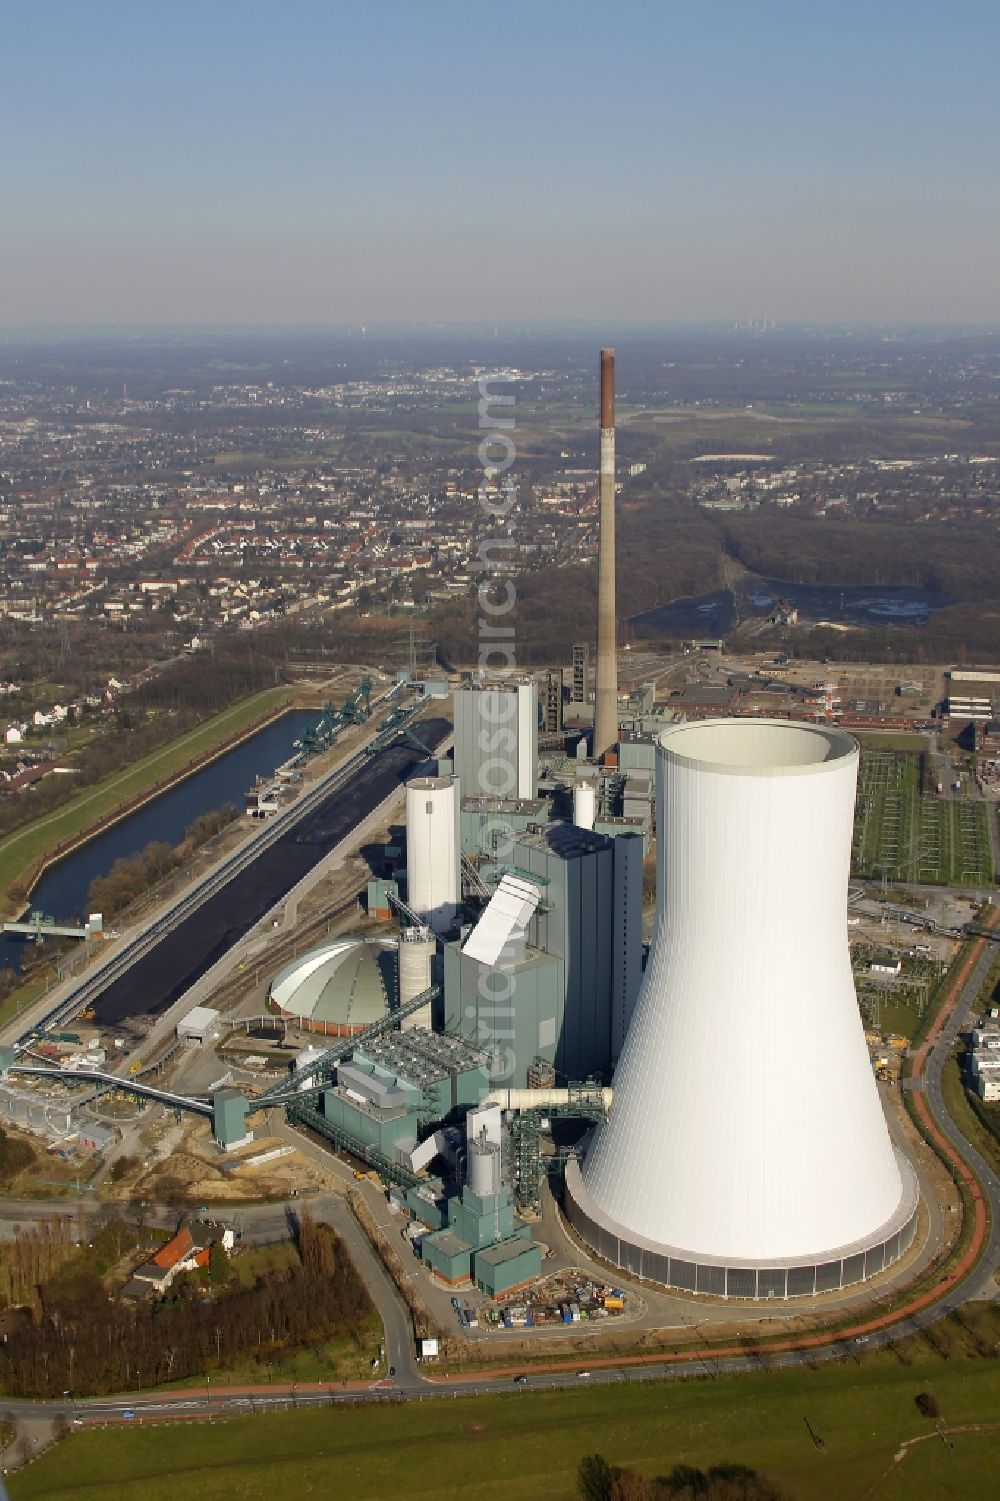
(183, 955)
(62, 891)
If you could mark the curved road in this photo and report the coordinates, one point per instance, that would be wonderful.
(971, 1278)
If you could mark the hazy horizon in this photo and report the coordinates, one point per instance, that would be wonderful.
(241, 167)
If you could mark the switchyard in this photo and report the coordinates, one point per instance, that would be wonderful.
(903, 833)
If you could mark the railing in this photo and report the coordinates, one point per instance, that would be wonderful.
(316, 1075)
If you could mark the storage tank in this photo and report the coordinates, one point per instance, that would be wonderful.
(745, 1153)
(483, 1167)
(417, 947)
(303, 1058)
(433, 850)
(584, 805)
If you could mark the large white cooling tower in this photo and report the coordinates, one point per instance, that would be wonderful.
(746, 1153)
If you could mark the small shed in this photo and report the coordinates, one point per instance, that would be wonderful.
(97, 1138)
(202, 1024)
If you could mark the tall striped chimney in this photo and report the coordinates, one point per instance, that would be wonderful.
(606, 697)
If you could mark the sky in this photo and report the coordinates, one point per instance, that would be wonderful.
(366, 161)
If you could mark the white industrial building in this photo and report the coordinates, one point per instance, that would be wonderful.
(433, 850)
(746, 1153)
(202, 1024)
(988, 1081)
(984, 1063)
(585, 804)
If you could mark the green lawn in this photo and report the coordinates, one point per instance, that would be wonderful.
(525, 1445)
(953, 1092)
(881, 740)
(23, 995)
(20, 850)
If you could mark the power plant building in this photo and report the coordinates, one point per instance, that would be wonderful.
(553, 967)
(553, 702)
(415, 955)
(581, 675)
(475, 1235)
(726, 1165)
(496, 739)
(488, 822)
(398, 1083)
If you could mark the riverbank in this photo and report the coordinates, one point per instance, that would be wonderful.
(29, 851)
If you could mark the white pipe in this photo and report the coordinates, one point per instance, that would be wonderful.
(537, 1099)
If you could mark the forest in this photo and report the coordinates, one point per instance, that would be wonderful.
(72, 1334)
(963, 562)
(668, 550)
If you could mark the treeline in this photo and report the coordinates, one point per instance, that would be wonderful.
(39, 1252)
(227, 670)
(597, 1480)
(664, 551)
(668, 550)
(81, 1339)
(962, 561)
(78, 655)
(132, 875)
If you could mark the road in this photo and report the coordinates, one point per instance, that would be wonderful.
(974, 1278)
(980, 1279)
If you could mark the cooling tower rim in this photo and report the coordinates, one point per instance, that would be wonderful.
(902, 1217)
(840, 748)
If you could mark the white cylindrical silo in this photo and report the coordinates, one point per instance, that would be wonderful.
(433, 850)
(746, 1153)
(483, 1168)
(302, 1060)
(584, 805)
(417, 947)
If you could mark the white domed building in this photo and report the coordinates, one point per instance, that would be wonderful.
(337, 989)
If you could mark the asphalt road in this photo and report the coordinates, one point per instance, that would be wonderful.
(981, 1279)
(268, 1222)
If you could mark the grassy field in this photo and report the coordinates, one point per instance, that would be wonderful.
(879, 740)
(20, 850)
(525, 1445)
(23, 995)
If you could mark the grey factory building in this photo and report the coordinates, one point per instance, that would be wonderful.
(566, 988)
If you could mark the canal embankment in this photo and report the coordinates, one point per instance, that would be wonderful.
(28, 852)
(169, 951)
